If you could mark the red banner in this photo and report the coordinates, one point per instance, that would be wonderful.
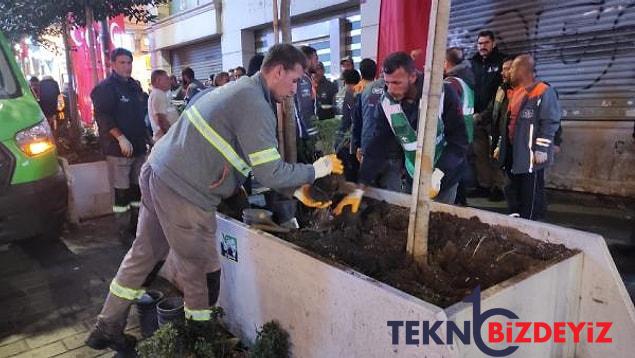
(81, 62)
(403, 26)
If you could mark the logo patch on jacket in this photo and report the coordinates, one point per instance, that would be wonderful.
(527, 113)
(124, 99)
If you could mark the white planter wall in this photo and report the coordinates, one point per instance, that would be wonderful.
(334, 311)
(89, 189)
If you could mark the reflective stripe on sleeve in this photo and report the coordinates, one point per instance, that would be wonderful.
(193, 115)
(264, 156)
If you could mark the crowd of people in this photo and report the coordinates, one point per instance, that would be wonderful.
(496, 120)
(498, 126)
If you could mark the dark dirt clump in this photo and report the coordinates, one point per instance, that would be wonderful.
(462, 253)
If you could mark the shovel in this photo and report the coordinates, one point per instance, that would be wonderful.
(261, 219)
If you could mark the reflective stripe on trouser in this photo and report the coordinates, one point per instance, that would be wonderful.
(198, 315)
(167, 223)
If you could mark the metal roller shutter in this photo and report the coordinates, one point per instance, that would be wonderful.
(205, 58)
(316, 33)
(585, 49)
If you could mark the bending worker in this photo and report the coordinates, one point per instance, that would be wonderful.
(203, 159)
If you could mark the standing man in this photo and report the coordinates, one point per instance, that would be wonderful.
(221, 79)
(487, 64)
(534, 118)
(49, 94)
(120, 108)
(203, 159)
(305, 109)
(325, 92)
(191, 85)
(390, 153)
(345, 64)
(342, 144)
(498, 112)
(239, 72)
(364, 117)
(368, 70)
(458, 73)
(160, 110)
(34, 84)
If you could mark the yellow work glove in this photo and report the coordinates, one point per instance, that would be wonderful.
(435, 185)
(328, 164)
(303, 194)
(353, 200)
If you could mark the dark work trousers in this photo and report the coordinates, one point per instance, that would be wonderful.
(525, 194)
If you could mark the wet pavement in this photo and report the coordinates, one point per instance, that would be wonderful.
(51, 291)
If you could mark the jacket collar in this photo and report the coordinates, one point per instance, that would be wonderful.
(493, 57)
(116, 77)
(260, 80)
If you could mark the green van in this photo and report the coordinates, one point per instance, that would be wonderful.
(33, 191)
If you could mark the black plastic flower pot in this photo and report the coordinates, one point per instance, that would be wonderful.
(170, 309)
(147, 312)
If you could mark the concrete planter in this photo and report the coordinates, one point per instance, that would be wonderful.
(333, 311)
(89, 190)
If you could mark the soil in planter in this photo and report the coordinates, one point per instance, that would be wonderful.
(463, 253)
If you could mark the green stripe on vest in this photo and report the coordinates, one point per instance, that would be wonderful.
(468, 108)
(406, 135)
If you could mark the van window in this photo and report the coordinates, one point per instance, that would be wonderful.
(8, 83)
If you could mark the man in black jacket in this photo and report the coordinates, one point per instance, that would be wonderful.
(325, 92)
(120, 108)
(487, 64)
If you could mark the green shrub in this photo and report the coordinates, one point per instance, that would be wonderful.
(164, 343)
(326, 136)
(272, 342)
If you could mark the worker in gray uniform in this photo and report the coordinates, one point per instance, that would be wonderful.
(203, 159)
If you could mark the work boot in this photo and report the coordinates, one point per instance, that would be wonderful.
(123, 344)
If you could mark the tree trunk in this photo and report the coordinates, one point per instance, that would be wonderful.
(105, 47)
(417, 244)
(90, 21)
(276, 20)
(280, 110)
(285, 20)
(72, 94)
(290, 135)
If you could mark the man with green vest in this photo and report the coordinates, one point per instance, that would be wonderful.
(395, 133)
(459, 74)
(205, 158)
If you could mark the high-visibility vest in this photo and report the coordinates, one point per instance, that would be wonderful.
(406, 135)
(467, 100)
